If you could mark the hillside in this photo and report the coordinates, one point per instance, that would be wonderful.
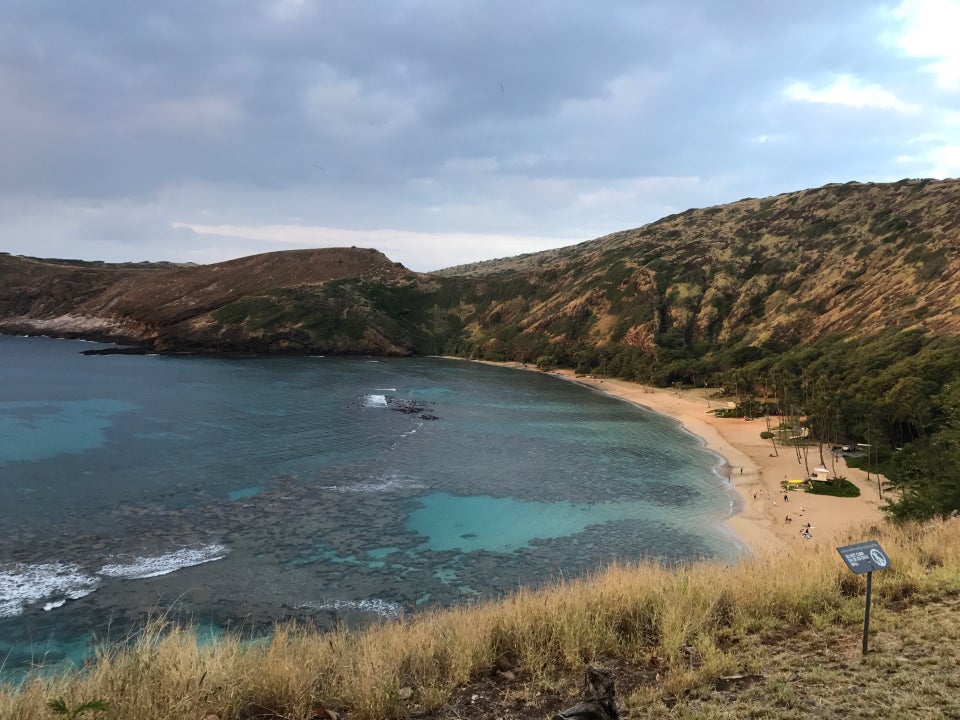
(164, 306)
(854, 258)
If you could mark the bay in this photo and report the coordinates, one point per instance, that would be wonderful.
(235, 492)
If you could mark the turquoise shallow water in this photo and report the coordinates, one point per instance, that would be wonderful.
(43, 429)
(465, 524)
(238, 491)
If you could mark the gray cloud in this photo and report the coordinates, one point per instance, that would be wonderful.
(120, 127)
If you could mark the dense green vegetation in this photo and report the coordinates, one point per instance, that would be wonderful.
(341, 314)
(837, 487)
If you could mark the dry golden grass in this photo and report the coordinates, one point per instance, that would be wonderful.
(789, 627)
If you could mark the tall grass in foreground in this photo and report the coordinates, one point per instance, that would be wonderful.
(642, 614)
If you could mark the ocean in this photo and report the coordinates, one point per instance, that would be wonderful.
(234, 492)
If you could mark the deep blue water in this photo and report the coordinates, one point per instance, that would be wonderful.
(238, 491)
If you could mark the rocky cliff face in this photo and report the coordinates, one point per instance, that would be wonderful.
(852, 259)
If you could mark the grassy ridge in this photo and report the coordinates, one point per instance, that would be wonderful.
(668, 634)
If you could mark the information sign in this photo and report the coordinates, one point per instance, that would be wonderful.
(864, 557)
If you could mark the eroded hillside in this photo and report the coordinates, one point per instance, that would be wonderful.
(854, 258)
(760, 274)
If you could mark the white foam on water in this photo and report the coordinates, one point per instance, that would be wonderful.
(22, 585)
(375, 401)
(55, 583)
(411, 432)
(387, 483)
(383, 608)
(385, 389)
(147, 567)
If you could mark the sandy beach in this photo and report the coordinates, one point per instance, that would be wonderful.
(755, 471)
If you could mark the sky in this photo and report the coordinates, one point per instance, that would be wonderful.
(447, 131)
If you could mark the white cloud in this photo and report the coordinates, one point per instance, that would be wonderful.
(849, 91)
(928, 29)
(945, 161)
(416, 250)
(933, 157)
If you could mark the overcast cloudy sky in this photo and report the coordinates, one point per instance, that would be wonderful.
(443, 132)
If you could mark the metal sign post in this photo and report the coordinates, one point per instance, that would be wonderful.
(863, 558)
(866, 613)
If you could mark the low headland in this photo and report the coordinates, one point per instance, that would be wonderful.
(777, 635)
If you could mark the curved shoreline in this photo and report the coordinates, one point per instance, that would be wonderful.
(752, 469)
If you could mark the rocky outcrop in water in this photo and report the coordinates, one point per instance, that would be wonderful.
(420, 408)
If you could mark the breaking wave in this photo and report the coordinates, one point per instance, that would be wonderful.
(22, 585)
(387, 483)
(375, 401)
(53, 584)
(380, 607)
(147, 567)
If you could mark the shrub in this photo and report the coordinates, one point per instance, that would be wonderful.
(546, 362)
(836, 486)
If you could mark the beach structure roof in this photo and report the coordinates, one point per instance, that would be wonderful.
(820, 473)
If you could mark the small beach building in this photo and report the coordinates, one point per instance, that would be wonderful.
(821, 474)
